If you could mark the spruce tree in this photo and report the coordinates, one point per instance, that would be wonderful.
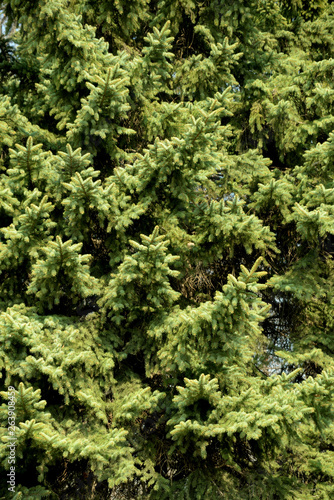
(166, 248)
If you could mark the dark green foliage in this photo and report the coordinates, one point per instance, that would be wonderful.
(166, 248)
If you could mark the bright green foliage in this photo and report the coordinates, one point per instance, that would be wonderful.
(85, 196)
(102, 111)
(166, 248)
(30, 166)
(63, 272)
(24, 237)
(141, 284)
(206, 338)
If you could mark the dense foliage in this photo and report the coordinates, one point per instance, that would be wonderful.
(166, 248)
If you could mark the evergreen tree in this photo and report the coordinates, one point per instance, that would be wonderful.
(166, 248)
